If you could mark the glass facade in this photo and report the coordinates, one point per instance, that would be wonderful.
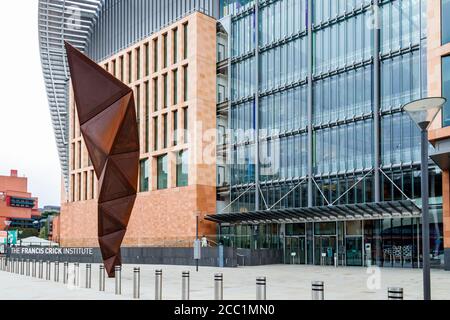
(304, 95)
(446, 90)
(144, 176)
(182, 168)
(445, 13)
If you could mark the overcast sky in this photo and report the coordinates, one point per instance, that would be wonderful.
(27, 142)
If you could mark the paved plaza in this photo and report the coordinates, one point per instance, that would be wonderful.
(283, 282)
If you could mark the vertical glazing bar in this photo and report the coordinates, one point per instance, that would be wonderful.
(310, 103)
(376, 99)
(256, 107)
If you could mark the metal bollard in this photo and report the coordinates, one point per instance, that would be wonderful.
(27, 272)
(118, 276)
(158, 285)
(185, 285)
(22, 267)
(88, 275)
(261, 288)
(101, 279)
(395, 293)
(48, 270)
(56, 272)
(218, 286)
(65, 272)
(41, 269)
(76, 278)
(317, 290)
(136, 283)
(335, 260)
(33, 268)
(16, 266)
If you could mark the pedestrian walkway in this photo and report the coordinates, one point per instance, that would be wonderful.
(283, 282)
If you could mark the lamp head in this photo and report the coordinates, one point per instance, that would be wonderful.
(424, 111)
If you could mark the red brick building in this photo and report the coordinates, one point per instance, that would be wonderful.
(15, 200)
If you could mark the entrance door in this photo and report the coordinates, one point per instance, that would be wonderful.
(324, 249)
(353, 248)
(295, 250)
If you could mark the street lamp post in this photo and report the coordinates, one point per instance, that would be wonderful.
(423, 112)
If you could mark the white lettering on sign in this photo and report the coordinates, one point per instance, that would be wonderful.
(53, 251)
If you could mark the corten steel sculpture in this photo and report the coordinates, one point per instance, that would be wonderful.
(107, 115)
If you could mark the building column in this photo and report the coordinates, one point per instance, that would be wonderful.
(310, 102)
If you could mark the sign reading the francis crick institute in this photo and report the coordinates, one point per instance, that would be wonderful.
(53, 251)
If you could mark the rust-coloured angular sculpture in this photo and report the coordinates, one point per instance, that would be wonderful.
(107, 115)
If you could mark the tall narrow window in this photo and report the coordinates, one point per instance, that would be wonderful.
(445, 21)
(130, 67)
(138, 107)
(143, 176)
(155, 94)
(175, 128)
(73, 156)
(165, 51)
(114, 68)
(446, 90)
(175, 45)
(85, 185)
(185, 40)
(92, 185)
(147, 111)
(138, 63)
(175, 86)
(185, 84)
(79, 155)
(165, 130)
(72, 179)
(186, 125)
(122, 69)
(147, 60)
(155, 133)
(166, 91)
(155, 55)
(162, 172)
(79, 186)
(182, 168)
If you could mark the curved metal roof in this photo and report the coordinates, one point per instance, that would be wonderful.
(59, 21)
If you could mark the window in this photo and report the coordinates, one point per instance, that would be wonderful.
(72, 178)
(185, 40)
(79, 186)
(147, 60)
(122, 69)
(445, 13)
(138, 106)
(185, 84)
(138, 63)
(92, 184)
(175, 87)
(162, 172)
(155, 55)
(175, 128)
(147, 111)
(175, 45)
(182, 168)
(79, 154)
(155, 133)
(130, 67)
(73, 156)
(186, 125)
(165, 53)
(155, 94)
(166, 92)
(446, 90)
(165, 130)
(85, 193)
(143, 177)
(114, 68)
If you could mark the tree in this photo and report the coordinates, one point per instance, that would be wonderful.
(43, 233)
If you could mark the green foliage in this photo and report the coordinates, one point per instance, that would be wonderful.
(27, 232)
(43, 233)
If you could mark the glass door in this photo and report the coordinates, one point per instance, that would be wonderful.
(295, 250)
(324, 250)
(353, 246)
